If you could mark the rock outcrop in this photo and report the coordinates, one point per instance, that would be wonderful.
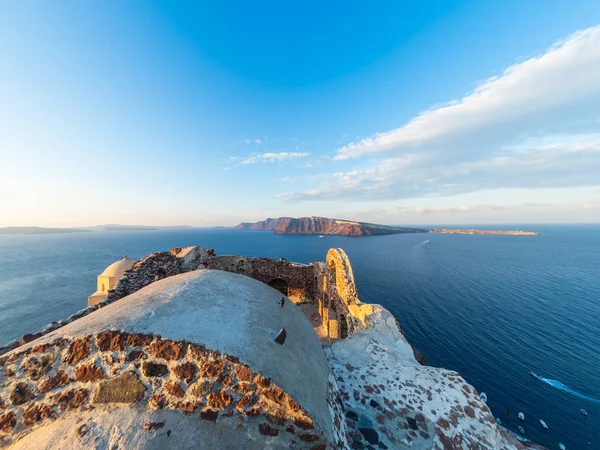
(323, 225)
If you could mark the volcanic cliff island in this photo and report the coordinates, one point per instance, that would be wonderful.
(193, 350)
(324, 226)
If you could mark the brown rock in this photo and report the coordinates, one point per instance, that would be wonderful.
(73, 398)
(469, 412)
(262, 381)
(212, 369)
(2, 403)
(267, 430)
(443, 423)
(292, 405)
(36, 366)
(135, 354)
(126, 388)
(43, 348)
(60, 378)
(304, 422)
(89, 372)
(139, 340)
(174, 389)
(37, 412)
(198, 351)
(110, 340)
(21, 393)
(219, 400)
(188, 407)
(232, 359)
(225, 379)
(168, 350)
(153, 426)
(27, 338)
(158, 401)
(275, 394)
(185, 371)
(201, 388)
(8, 420)
(209, 414)
(152, 369)
(244, 401)
(309, 437)
(77, 350)
(241, 388)
(244, 373)
(9, 373)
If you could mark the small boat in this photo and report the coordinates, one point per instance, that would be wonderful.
(483, 396)
(321, 236)
(521, 416)
(584, 412)
(521, 430)
(544, 426)
(562, 446)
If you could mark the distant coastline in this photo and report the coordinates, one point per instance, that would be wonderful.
(505, 232)
(40, 230)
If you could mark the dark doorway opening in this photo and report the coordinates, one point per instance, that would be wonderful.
(280, 285)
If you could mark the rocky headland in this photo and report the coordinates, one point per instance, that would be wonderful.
(324, 226)
(504, 232)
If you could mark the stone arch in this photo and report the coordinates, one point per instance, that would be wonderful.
(344, 278)
(280, 284)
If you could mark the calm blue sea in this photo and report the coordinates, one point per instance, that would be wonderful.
(494, 308)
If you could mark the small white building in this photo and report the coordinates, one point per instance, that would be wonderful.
(108, 279)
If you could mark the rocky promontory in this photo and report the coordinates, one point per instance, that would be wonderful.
(324, 226)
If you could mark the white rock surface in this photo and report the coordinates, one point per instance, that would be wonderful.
(377, 364)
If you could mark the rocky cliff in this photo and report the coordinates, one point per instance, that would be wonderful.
(323, 225)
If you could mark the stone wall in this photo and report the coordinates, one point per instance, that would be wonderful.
(299, 278)
(115, 369)
(150, 268)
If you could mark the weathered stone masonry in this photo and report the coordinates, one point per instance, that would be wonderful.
(115, 369)
(329, 286)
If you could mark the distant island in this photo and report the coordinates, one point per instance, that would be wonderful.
(323, 226)
(39, 230)
(95, 228)
(506, 232)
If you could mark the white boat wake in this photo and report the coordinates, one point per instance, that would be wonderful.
(563, 387)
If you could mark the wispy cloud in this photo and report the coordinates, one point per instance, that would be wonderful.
(535, 125)
(268, 157)
(253, 141)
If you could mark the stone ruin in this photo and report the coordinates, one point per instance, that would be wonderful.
(185, 352)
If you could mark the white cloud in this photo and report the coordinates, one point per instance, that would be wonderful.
(268, 157)
(536, 125)
(252, 141)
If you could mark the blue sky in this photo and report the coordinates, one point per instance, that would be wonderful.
(210, 113)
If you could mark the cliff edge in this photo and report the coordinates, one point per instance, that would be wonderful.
(323, 226)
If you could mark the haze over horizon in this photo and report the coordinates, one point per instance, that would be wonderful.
(206, 114)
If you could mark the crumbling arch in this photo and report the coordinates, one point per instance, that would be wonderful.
(344, 278)
(280, 284)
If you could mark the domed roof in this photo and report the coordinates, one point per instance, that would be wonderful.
(117, 269)
(230, 321)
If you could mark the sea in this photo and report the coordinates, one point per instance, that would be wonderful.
(495, 308)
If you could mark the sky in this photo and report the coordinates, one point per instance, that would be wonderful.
(211, 113)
